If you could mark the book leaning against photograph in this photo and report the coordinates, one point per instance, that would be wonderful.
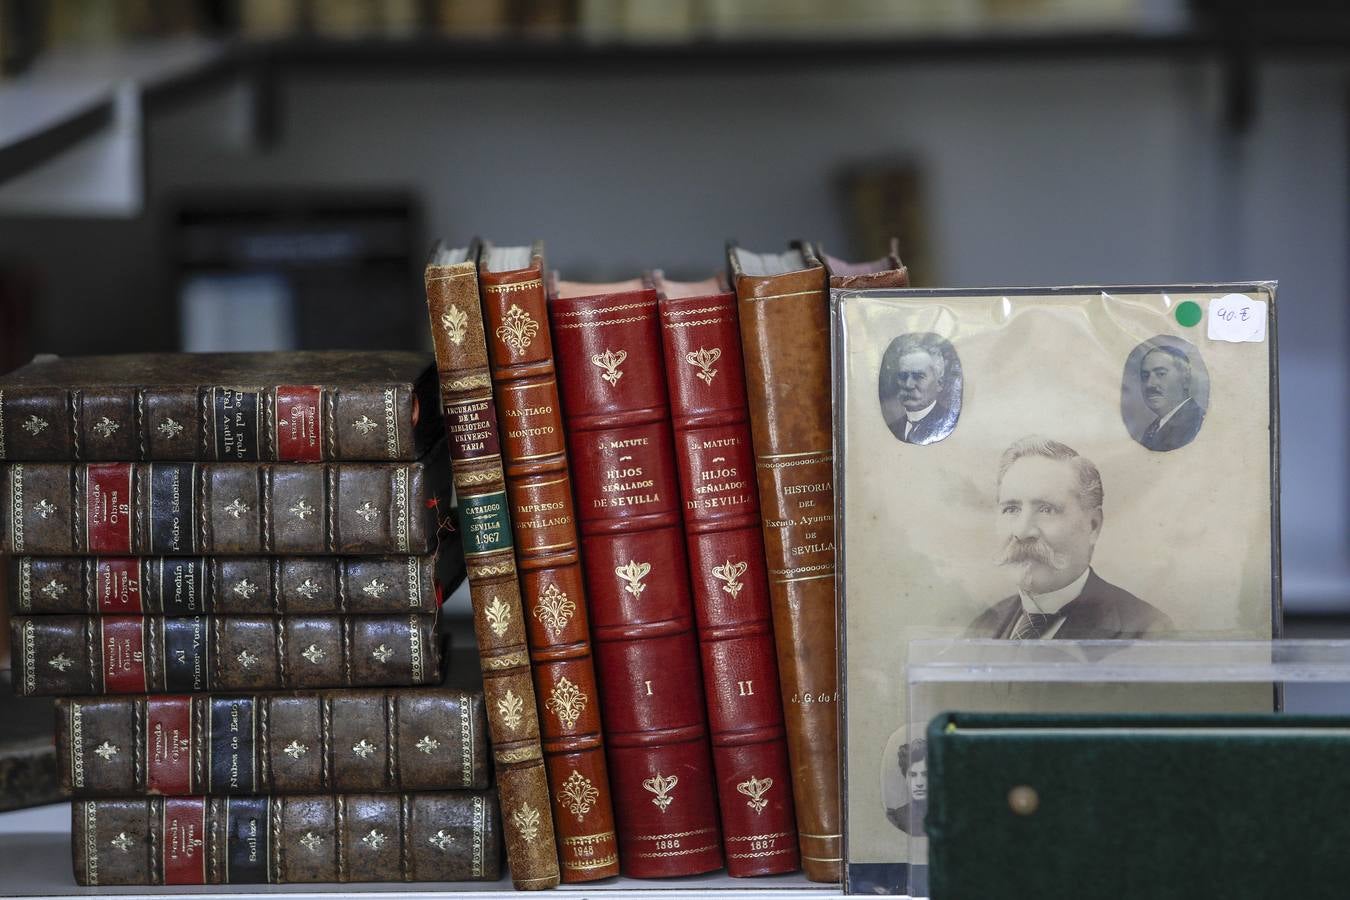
(1042, 464)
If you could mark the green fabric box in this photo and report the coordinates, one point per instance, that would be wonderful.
(1138, 806)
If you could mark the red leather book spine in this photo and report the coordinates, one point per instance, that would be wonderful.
(716, 465)
(538, 483)
(608, 350)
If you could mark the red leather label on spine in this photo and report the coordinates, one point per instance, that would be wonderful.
(299, 421)
(119, 585)
(184, 844)
(108, 508)
(168, 745)
(624, 472)
(472, 428)
(123, 642)
(530, 417)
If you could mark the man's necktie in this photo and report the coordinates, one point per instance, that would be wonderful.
(1152, 431)
(1032, 625)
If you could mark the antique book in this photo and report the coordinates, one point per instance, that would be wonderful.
(298, 406)
(784, 317)
(715, 459)
(539, 487)
(287, 839)
(1182, 793)
(186, 509)
(1058, 464)
(608, 344)
(409, 739)
(69, 655)
(470, 417)
(228, 585)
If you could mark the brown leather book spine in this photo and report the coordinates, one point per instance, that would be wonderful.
(785, 332)
(184, 509)
(539, 486)
(70, 655)
(226, 585)
(302, 422)
(323, 838)
(241, 744)
(485, 529)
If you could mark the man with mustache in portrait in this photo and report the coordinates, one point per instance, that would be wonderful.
(1049, 519)
(914, 381)
(1165, 381)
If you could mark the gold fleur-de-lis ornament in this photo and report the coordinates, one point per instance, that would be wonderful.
(755, 789)
(729, 572)
(704, 358)
(633, 573)
(455, 322)
(661, 786)
(610, 361)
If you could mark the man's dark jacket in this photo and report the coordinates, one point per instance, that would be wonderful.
(1179, 431)
(933, 427)
(1101, 612)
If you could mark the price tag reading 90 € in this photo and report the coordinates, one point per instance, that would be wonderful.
(1237, 318)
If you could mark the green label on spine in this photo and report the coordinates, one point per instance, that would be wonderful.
(485, 523)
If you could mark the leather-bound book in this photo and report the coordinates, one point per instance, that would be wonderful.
(608, 344)
(227, 585)
(70, 655)
(783, 302)
(287, 839)
(300, 743)
(539, 486)
(186, 509)
(297, 406)
(470, 416)
(716, 465)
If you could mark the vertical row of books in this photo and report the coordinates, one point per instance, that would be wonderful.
(225, 567)
(658, 656)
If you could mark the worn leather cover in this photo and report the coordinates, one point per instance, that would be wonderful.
(1138, 805)
(783, 303)
(307, 742)
(229, 585)
(713, 453)
(70, 655)
(619, 438)
(300, 406)
(425, 836)
(485, 530)
(185, 509)
(539, 486)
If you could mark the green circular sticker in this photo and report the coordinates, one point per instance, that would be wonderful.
(1189, 313)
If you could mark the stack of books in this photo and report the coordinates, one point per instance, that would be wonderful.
(224, 564)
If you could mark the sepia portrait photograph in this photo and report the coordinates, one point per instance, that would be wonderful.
(1057, 509)
(919, 388)
(1164, 393)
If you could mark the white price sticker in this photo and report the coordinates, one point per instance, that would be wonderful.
(1237, 318)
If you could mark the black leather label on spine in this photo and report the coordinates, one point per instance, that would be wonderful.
(172, 508)
(247, 835)
(182, 586)
(233, 739)
(186, 656)
(238, 424)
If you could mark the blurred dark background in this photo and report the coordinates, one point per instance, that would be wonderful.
(260, 174)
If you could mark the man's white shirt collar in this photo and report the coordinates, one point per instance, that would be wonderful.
(1173, 412)
(1053, 601)
(916, 416)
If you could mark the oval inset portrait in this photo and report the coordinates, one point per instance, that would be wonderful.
(920, 387)
(1164, 393)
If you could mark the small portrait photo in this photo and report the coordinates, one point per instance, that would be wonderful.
(1164, 393)
(1048, 517)
(904, 782)
(920, 387)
